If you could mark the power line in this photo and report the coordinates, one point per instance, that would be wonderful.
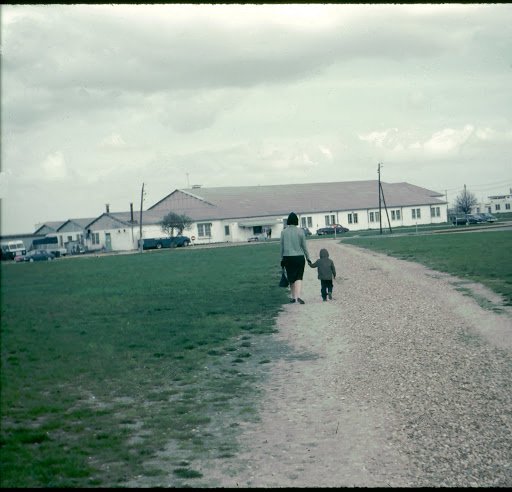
(496, 183)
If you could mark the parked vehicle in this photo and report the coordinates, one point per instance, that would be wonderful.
(473, 219)
(166, 242)
(458, 220)
(51, 245)
(488, 217)
(13, 249)
(257, 237)
(36, 255)
(338, 229)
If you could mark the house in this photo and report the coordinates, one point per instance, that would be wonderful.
(235, 213)
(495, 204)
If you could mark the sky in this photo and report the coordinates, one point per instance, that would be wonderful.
(97, 100)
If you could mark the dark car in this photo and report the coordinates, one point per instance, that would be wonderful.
(166, 242)
(36, 255)
(487, 217)
(331, 230)
(473, 219)
(458, 220)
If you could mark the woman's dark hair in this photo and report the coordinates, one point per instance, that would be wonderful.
(292, 219)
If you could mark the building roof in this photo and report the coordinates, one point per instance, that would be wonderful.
(261, 201)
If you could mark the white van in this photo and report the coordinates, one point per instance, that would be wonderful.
(15, 248)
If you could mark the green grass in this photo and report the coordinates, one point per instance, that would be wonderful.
(105, 360)
(480, 257)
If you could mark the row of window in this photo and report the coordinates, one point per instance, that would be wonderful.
(373, 216)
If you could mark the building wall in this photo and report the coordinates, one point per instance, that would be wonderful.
(495, 205)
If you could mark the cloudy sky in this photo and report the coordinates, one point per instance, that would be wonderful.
(97, 100)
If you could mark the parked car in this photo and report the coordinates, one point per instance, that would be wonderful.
(257, 237)
(307, 232)
(487, 217)
(338, 229)
(473, 219)
(458, 220)
(36, 255)
(165, 242)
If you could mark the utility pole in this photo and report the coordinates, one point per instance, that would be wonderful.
(380, 207)
(141, 242)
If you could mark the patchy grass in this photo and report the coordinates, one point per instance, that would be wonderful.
(480, 257)
(105, 360)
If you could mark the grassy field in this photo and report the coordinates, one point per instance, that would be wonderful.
(107, 360)
(127, 365)
(481, 257)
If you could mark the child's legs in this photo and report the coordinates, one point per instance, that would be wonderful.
(329, 286)
(323, 288)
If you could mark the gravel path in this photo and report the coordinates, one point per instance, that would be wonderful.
(400, 380)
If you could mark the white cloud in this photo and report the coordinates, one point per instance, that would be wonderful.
(113, 141)
(325, 151)
(54, 167)
(448, 140)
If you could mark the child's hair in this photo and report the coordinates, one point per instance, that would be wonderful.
(324, 253)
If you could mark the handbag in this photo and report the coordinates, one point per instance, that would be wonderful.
(284, 280)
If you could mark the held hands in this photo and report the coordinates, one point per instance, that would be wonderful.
(309, 263)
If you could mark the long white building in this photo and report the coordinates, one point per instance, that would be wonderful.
(233, 214)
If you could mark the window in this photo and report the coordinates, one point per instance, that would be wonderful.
(507, 206)
(204, 230)
(372, 217)
(498, 206)
(352, 218)
(435, 212)
(95, 238)
(306, 221)
(330, 219)
(70, 238)
(226, 230)
(398, 215)
(416, 213)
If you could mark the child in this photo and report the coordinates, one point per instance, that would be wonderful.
(326, 273)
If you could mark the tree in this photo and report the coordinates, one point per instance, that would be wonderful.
(465, 201)
(175, 221)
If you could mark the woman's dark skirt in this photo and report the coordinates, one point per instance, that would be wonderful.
(294, 266)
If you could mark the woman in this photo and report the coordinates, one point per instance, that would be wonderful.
(293, 251)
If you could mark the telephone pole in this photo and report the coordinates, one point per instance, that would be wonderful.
(141, 242)
(380, 206)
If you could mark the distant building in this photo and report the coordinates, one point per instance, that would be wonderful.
(495, 204)
(234, 214)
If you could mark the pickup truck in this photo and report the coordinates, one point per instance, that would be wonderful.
(165, 242)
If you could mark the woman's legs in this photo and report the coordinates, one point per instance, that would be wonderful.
(297, 288)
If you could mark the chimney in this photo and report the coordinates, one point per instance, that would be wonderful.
(131, 213)
(107, 206)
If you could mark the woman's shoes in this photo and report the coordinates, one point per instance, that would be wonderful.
(292, 300)
(300, 301)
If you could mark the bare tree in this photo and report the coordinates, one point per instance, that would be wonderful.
(175, 221)
(465, 201)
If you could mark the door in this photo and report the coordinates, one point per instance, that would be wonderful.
(108, 241)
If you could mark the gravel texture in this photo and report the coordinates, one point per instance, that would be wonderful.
(401, 380)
